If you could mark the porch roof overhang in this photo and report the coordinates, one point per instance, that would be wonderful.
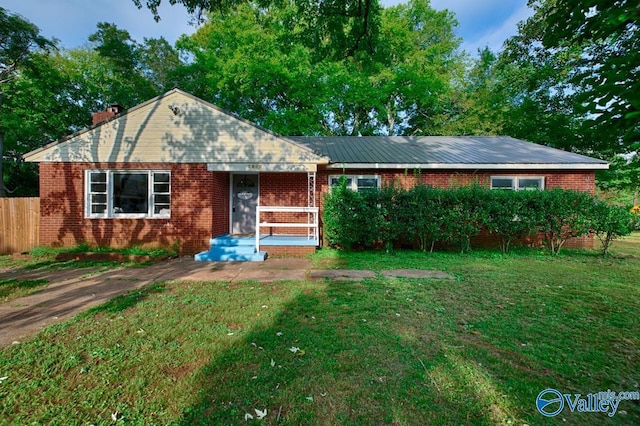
(263, 167)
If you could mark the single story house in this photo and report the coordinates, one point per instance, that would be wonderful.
(178, 171)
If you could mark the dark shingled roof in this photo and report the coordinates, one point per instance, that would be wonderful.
(441, 150)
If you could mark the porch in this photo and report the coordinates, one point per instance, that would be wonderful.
(269, 236)
(250, 248)
(268, 213)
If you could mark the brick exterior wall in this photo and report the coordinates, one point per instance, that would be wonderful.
(571, 179)
(199, 206)
(200, 203)
(288, 251)
(283, 190)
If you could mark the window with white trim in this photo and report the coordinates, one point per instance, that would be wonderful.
(357, 183)
(128, 194)
(517, 183)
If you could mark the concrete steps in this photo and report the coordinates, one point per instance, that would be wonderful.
(231, 249)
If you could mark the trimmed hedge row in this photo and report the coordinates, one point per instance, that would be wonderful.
(425, 216)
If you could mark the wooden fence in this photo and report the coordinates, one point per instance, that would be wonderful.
(19, 224)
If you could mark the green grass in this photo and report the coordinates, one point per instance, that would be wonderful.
(11, 289)
(45, 257)
(474, 350)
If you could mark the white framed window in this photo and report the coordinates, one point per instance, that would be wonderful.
(517, 183)
(357, 183)
(128, 193)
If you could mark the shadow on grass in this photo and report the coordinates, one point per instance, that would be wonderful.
(127, 300)
(348, 353)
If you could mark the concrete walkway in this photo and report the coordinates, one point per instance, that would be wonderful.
(71, 291)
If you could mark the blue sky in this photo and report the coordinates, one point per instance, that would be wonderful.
(482, 22)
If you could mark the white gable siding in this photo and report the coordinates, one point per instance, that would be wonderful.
(179, 128)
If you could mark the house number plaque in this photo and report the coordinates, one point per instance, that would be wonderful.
(245, 195)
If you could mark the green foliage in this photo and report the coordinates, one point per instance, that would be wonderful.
(563, 215)
(511, 215)
(19, 41)
(610, 222)
(421, 216)
(608, 34)
(276, 68)
(568, 79)
(339, 28)
(351, 219)
(623, 174)
(427, 215)
(386, 214)
(465, 214)
(70, 85)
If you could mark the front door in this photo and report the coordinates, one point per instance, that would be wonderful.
(244, 200)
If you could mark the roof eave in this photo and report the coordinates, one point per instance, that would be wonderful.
(473, 166)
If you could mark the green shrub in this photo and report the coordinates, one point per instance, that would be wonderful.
(420, 216)
(426, 215)
(351, 219)
(563, 215)
(511, 215)
(609, 223)
(464, 215)
(387, 215)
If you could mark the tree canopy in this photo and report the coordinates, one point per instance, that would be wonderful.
(568, 79)
(19, 39)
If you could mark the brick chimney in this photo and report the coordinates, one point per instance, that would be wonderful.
(112, 110)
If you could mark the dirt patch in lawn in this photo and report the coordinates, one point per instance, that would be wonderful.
(107, 257)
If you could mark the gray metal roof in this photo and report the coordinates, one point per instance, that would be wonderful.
(444, 152)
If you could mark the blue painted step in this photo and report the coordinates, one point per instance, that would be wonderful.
(231, 249)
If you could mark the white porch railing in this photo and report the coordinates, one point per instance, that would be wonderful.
(311, 225)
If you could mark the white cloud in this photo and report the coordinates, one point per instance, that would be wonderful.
(482, 22)
(495, 37)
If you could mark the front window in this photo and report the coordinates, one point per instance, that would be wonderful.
(517, 183)
(357, 183)
(127, 194)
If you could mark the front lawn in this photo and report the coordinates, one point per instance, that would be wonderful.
(474, 350)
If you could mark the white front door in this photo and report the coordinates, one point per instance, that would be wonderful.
(244, 200)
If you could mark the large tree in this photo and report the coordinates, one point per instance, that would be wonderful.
(123, 57)
(253, 62)
(68, 85)
(607, 72)
(19, 38)
(576, 71)
(338, 28)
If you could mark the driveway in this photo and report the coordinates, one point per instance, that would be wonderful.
(75, 290)
(71, 291)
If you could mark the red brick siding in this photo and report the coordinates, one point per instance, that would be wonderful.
(193, 201)
(283, 251)
(577, 180)
(200, 202)
(283, 190)
(220, 198)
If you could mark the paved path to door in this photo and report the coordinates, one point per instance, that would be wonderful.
(71, 291)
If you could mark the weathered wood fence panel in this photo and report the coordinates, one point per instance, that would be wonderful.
(19, 224)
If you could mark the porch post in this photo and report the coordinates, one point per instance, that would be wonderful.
(311, 202)
(258, 227)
